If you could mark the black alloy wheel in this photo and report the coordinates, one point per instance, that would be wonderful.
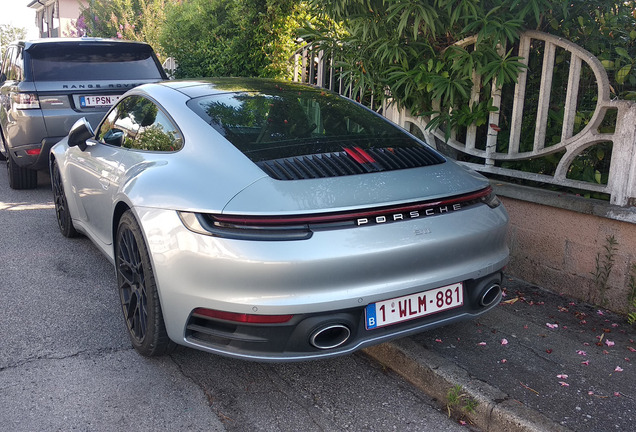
(64, 221)
(138, 291)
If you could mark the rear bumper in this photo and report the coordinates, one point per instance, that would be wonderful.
(328, 279)
(38, 161)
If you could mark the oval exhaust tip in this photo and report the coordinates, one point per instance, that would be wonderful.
(490, 295)
(331, 336)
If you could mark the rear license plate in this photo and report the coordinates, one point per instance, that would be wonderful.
(413, 306)
(97, 101)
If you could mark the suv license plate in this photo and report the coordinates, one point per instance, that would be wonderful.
(413, 306)
(95, 101)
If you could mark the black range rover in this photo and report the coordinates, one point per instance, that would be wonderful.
(48, 84)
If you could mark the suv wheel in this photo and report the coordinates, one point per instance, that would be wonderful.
(21, 178)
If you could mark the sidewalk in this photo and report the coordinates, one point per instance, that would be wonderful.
(537, 362)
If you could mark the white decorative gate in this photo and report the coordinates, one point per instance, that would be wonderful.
(315, 68)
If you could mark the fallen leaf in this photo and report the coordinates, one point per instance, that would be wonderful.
(511, 301)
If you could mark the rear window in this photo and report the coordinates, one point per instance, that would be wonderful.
(296, 121)
(70, 62)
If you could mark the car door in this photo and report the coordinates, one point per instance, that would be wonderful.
(96, 172)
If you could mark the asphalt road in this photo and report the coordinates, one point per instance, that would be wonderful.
(66, 363)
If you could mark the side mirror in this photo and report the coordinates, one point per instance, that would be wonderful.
(80, 132)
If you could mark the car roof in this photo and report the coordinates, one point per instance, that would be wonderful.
(74, 41)
(215, 86)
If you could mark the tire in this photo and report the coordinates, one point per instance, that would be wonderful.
(2, 147)
(62, 213)
(19, 177)
(138, 291)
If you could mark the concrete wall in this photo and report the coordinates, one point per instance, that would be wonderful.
(554, 240)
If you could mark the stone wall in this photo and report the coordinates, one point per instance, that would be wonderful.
(554, 240)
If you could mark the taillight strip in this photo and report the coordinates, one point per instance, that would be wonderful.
(340, 217)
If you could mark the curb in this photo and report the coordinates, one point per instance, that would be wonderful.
(435, 376)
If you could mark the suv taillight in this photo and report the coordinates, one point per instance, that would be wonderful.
(20, 101)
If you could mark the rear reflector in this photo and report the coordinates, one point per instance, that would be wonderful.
(243, 318)
(33, 152)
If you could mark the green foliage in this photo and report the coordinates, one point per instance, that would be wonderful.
(8, 34)
(457, 400)
(604, 265)
(237, 38)
(140, 20)
(631, 299)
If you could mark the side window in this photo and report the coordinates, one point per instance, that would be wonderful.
(138, 123)
(119, 127)
(18, 64)
(6, 64)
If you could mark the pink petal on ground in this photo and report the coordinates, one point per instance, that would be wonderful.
(552, 326)
(438, 340)
(614, 325)
(481, 343)
(564, 384)
(590, 392)
(609, 343)
(631, 349)
(585, 363)
(617, 394)
(600, 312)
(586, 344)
(581, 352)
(618, 369)
(504, 361)
(605, 352)
(504, 341)
(562, 376)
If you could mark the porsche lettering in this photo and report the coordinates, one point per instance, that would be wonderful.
(381, 219)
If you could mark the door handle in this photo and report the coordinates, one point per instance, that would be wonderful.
(104, 182)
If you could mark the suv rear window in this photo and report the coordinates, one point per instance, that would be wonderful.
(66, 62)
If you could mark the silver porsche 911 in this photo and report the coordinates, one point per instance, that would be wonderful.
(275, 221)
